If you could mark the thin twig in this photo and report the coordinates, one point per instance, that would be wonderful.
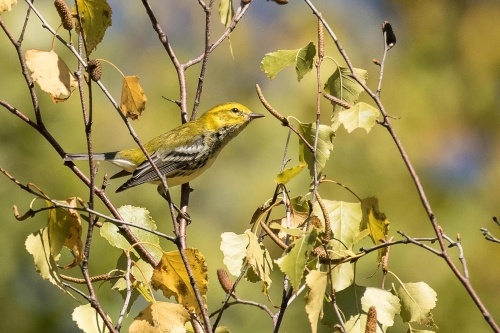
(281, 118)
(126, 303)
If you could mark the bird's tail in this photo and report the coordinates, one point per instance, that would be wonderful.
(85, 157)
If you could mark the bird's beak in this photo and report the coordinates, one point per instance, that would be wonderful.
(255, 115)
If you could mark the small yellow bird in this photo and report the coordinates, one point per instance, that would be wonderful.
(183, 153)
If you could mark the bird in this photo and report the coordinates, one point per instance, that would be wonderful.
(181, 154)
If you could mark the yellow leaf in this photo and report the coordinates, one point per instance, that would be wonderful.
(95, 16)
(160, 317)
(6, 5)
(260, 262)
(65, 229)
(317, 282)
(51, 73)
(376, 222)
(37, 244)
(171, 277)
(134, 99)
(88, 320)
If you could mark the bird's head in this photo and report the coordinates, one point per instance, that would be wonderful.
(232, 115)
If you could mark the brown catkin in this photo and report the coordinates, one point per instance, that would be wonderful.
(321, 40)
(281, 2)
(224, 280)
(94, 69)
(371, 320)
(64, 14)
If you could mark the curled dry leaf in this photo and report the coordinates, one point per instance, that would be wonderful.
(133, 102)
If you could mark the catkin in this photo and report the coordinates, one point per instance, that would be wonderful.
(64, 14)
(371, 320)
(94, 69)
(224, 280)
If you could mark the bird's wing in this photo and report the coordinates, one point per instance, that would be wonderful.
(170, 162)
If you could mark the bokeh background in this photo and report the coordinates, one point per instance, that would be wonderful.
(442, 82)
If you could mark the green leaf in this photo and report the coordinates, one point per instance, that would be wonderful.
(294, 262)
(259, 261)
(95, 16)
(355, 302)
(295, 232)
(303, 59)
(323, 148)
(234, 248)
(286, 175)
(345, 219)
(137, 216)
(417, 299)
(386, 304)
(342, 276)
(317, 282)
(226, 12)
(88, 320)
(342, 85)
(361, 115)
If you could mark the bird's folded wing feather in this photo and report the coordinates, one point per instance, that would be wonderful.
(168, 161)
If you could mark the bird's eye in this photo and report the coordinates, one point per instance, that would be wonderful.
(235, 110)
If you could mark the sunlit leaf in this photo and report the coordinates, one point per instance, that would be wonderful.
(289, 173)
(323, 148)
(294, 262)
(6, 5)
(95, 17)
(317, 282)
(170, 276)
(38, 245)
(343, 86)
(65, 229)
(234, 248)
(303, 59)
(376, 222)
(88, 320)
(160, 317)
(137, 216)
(361, 115)
(345, 219)
(357, 324)
(417, 299)
(342, 275)
(133, 101)
(226, 12)
(355, 302)
(386, 304)
(259, 261)
(51, 73)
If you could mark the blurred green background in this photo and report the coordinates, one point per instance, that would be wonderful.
(442, 81)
